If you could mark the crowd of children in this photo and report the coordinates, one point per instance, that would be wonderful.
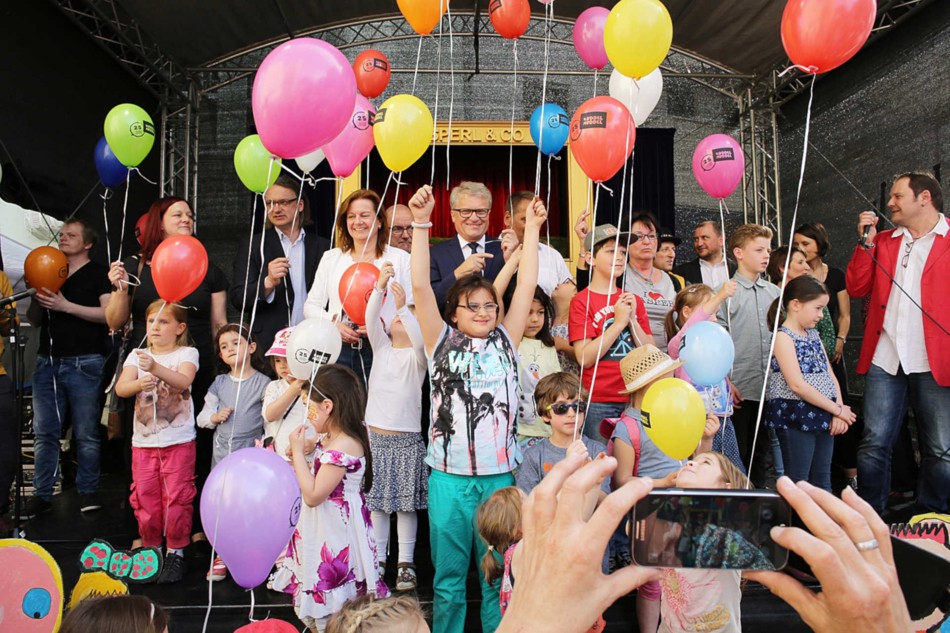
(513, 393)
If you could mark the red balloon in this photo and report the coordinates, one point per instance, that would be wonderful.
(140, 228)
(820, 35)
(179, 265)
(602, 137)
(46, 267)
(510, 17)
(356, 285)
(372, 73)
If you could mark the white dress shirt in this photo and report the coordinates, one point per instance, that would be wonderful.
(714, 275)
(901, 345)
(294, 251)
(552, 271)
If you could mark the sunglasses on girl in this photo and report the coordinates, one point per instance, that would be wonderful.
(562, 408)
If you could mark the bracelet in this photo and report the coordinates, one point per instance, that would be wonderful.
(842, 339)
(419, 225)
(840, 410)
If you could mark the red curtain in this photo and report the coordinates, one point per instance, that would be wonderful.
(488, 165)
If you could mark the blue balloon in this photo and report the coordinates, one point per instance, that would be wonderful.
(112, 173)
(556, 126)
(707, 352)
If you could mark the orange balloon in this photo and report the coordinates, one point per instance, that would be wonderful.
(423, 15)
(356, 285)
(509, 17)
(602, 137)
(372, 73)
(46, 267)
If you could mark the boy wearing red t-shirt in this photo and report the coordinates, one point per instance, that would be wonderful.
(605, 325)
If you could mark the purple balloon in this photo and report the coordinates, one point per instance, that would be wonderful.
(112, 173)
(718, 165)
(249, 508)
(302, 97)
(589, 36)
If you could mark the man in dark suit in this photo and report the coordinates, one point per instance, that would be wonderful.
(291, 256)
(468, 253)
(711, 266)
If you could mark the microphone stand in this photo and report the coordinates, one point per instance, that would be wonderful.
(17, 348)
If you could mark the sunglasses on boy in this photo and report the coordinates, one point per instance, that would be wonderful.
(562, 408)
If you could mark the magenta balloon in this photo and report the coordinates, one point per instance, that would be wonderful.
(589, 36)
(249, 508)
(355, 142)
(718, 165)
(302, 97)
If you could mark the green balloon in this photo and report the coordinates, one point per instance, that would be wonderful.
(252, 162)
(130, 133)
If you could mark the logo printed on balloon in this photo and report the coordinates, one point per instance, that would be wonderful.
(295, 513)
(141, 128)
(719, 154)
(361, 120)
(370, 65)
(645, 419)
(380, 116)
(556, 120)
(312, 356)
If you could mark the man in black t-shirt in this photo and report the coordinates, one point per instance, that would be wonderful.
(68, 375)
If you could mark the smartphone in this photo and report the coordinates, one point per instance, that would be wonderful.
(709, 529)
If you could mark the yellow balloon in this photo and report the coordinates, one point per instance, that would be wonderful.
(673, 415)
(403, 131)
(637, 36)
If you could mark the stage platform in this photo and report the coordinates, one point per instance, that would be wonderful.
(65, 531)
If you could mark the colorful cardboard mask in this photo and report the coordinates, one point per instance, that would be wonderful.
(31, 588)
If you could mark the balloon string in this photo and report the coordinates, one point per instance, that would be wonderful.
(722, 228)
(293, 226)
(395, 202)
(547, 203)
(435, 118)
(415, 73)
(142, 176)
(125, 205)
(250, 616)
(511, 132)
(349, 286)
(105, 221)
(448, 138)
(336, 214)
(595, 81)
(600, 346)
(548, 11)
(788, 257)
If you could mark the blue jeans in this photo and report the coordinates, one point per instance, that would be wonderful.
(359, 359)
(596, 412)
(806, 456)
(71, 386)
(886, 399)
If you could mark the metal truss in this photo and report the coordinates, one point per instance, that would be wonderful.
(243, 64)
(178, 169)
(761, 190)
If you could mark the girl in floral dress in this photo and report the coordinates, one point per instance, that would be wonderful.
(332, 554)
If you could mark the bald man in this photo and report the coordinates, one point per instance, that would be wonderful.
(399, 217)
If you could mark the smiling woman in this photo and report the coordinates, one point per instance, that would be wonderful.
(362, 235)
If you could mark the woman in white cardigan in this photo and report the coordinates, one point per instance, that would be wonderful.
(361, 236)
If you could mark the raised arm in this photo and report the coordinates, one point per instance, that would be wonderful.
(427, 308)
(517, 316)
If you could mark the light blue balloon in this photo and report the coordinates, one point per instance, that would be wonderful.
(707, 352)
(556, 128)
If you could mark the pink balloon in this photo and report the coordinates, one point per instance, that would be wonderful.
(355, 142)
(718, 165)
(589, 36)
(303, 95)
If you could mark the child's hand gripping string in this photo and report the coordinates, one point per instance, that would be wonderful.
(221, 415)
(298, 440)
(536, 214)
(146, 362)
(421, 204)
(386, 273)
(399, 294)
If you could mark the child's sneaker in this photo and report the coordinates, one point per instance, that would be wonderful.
(173, 570)
(406, 577)
(218, 571)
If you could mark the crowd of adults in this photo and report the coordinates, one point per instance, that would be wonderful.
(905, 353)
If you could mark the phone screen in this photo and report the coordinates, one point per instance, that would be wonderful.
(709, 529)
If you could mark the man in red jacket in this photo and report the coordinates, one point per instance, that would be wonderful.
(906, 349)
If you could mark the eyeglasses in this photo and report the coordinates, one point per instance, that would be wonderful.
(400, 229)
(562, 408)
(646, 237)
(286, 202)
(907, 248)
(475, 308)
(467, 213)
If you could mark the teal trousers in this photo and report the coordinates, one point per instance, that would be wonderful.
(453, 502)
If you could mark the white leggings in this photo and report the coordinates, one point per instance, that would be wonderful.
(407, 523)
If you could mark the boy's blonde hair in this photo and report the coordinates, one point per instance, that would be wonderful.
(367, 614)
(746, 233)
(498, 521)
(688, 297)
(553, 385)
(177, 312)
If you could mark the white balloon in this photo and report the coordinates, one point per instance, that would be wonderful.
(640, 97)
(309, 162)
(313, 344)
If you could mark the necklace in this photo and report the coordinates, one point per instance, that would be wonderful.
(647, 279)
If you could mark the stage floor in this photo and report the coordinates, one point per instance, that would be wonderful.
(65, 531)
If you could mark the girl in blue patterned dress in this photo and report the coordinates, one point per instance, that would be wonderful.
(332, 553)
(803, 401)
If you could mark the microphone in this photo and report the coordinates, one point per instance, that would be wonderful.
(17, 297)
(864, 235)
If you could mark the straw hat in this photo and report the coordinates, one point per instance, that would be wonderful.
(644, 365)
